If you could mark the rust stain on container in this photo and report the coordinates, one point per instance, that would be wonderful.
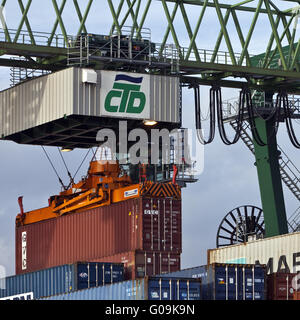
(137, 224)
(139, 264)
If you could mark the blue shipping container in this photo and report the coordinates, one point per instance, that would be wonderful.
(228, 281)
(61, 279)
(149, 288)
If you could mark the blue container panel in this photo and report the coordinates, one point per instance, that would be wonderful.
(62, 279)
(42, 283)
(236, 283)
(127, 290)
(188, 290)
(95, 274)
(158, 289)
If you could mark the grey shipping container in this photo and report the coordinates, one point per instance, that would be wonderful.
(48, 109)
(61, 279)
(148, 288)
(228, 281)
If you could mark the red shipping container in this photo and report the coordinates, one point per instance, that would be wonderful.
(136, 224)
(139, 264)
(280, 286)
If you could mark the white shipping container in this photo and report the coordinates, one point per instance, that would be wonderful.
(280, 253)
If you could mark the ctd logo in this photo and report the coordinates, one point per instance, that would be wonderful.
(129, 96)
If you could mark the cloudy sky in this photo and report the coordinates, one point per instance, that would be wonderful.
(229, 178)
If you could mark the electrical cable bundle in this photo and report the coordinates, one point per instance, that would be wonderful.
(251, 116)
(215, 105)
(240, 118)
(212, 115)
(288, 121)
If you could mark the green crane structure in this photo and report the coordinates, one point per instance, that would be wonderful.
(228, 60)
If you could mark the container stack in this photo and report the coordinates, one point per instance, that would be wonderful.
(61, 279)
(228, 281)
(143, 233)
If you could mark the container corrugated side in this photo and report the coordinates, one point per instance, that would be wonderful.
(63, 93)
(194, 273)
(36, 102)
(280, 253)
(42, 283)
(135, 224)
(140, 289)
(62, 279)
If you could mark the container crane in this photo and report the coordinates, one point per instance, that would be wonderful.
(232, 67)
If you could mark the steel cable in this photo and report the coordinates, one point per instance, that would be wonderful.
(69, 174)
(59, 179)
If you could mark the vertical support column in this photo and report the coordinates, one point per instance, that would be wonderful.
(270, 180)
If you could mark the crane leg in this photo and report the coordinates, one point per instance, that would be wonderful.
(270, 180)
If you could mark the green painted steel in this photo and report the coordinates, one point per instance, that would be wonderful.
(135, 13)
(270, 180)
(212, 64)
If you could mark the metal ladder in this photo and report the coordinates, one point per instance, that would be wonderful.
(288, 171)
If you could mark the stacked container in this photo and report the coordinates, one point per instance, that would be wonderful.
(60, 279)
(281, 286)
(149, 288)
(143, 233)
(228, 281)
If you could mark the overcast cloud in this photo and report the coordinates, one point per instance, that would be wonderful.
(229, 178)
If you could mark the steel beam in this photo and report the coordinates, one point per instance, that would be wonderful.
(269, 178)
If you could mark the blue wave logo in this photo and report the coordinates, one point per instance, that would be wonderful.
(124, 77)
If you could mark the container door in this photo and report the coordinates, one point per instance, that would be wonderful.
(108, 273)
(219, 283)
(86, 273)
(231, 283)
(151, 225)
(259, 283)
(150, 264)
(251, 283)
(161, 289)
(175, 226)
(117, 272)
(187, 290)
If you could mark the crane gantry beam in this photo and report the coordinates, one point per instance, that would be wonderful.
(230, 52)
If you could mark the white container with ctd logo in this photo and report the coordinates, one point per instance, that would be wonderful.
(86, 99)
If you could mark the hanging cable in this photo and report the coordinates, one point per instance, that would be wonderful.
(212, 115)
(288, 121)
(69, 174)
(82, 163)
(240, 118)
(59, 179)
